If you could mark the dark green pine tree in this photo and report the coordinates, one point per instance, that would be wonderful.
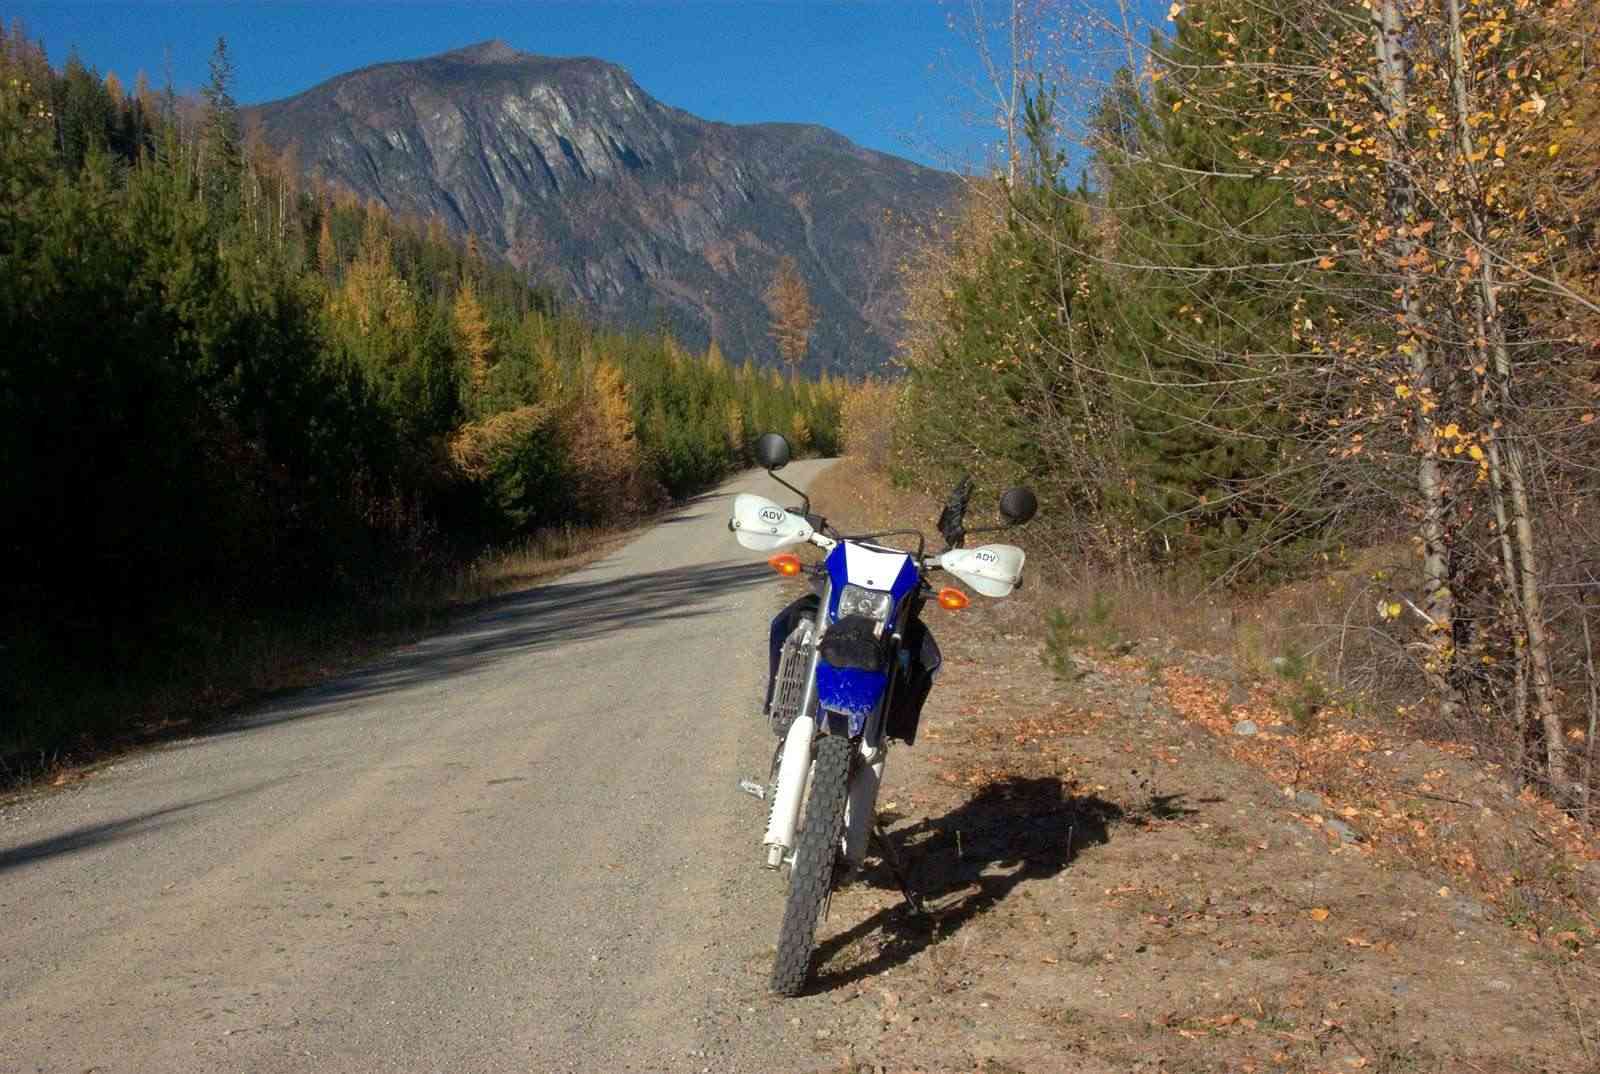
(1008, 393)
(1200, 325)
(85, 114)
(221, 150)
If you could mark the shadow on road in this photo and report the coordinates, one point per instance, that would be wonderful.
(967, 861)
(93, 835)
(558, 613)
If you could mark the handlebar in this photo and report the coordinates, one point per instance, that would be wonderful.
(831, 540)
(952, 525)
(925, 562)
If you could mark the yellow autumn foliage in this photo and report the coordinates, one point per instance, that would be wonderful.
(474, 341)
(476, 446)
(374, 298)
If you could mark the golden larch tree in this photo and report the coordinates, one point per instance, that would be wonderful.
(474, 340)
(326, 255)
(793, 315)
(374, 298)
(603, 442)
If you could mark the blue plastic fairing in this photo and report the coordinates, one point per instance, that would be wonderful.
(879, 569)
(855, 693)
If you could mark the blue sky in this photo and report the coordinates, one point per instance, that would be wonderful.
(882, 72)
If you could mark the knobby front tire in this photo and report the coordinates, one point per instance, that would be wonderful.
(811, 878)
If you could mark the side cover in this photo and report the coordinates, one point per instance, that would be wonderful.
(992, 569)
(763, 526)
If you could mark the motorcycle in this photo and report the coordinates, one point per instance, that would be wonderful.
(850, 667)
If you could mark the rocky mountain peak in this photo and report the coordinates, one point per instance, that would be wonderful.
(485, 52)
(642, 212)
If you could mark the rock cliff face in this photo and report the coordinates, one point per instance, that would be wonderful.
(642, 212)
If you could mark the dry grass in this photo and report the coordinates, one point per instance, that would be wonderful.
(1326, 626)
(1321, 635)
(534, 559)
(1319, 643)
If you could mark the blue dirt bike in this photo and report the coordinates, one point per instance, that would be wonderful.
(851, 665)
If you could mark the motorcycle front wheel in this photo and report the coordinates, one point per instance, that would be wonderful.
(811, 877)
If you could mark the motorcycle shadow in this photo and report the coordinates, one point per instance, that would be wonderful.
(967, 861)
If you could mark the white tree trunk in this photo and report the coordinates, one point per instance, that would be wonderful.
(1528, 597)
(1438, 600)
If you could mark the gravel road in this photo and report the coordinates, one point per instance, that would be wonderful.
(516, 845)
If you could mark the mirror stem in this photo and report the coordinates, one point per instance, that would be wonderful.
(804, 499)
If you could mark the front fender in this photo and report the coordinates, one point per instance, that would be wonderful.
(852, 693)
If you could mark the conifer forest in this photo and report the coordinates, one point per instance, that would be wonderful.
(227, 392)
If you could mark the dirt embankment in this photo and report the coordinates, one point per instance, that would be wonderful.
(1154, 867)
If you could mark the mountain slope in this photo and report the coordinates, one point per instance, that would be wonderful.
(643, 212)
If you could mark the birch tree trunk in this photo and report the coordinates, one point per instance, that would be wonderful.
(1505, 446)
(1438, 600)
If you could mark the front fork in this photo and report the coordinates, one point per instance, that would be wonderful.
(795, 765)
(794, 768)
(866, 776)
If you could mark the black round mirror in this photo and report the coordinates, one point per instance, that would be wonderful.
(772, 451)
(1017, 505)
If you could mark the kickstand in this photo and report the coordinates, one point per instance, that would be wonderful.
(891, 856)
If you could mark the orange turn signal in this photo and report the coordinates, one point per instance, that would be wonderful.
(953, 599)
(785, 563)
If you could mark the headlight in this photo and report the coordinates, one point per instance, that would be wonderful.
(854, 600)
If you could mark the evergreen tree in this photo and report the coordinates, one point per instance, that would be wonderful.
(221, 152)
(1012, 387)
(84, 113)
(1199, 307)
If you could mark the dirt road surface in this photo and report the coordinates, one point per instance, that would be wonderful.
(516, 845)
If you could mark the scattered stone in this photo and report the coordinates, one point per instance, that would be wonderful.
(1309, 799)
(1245, 728)
(1498, 985)
(1345, 833)
(1238, 695)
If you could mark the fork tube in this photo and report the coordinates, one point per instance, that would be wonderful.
(861, 805)
(808, 696)
(785, 815)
